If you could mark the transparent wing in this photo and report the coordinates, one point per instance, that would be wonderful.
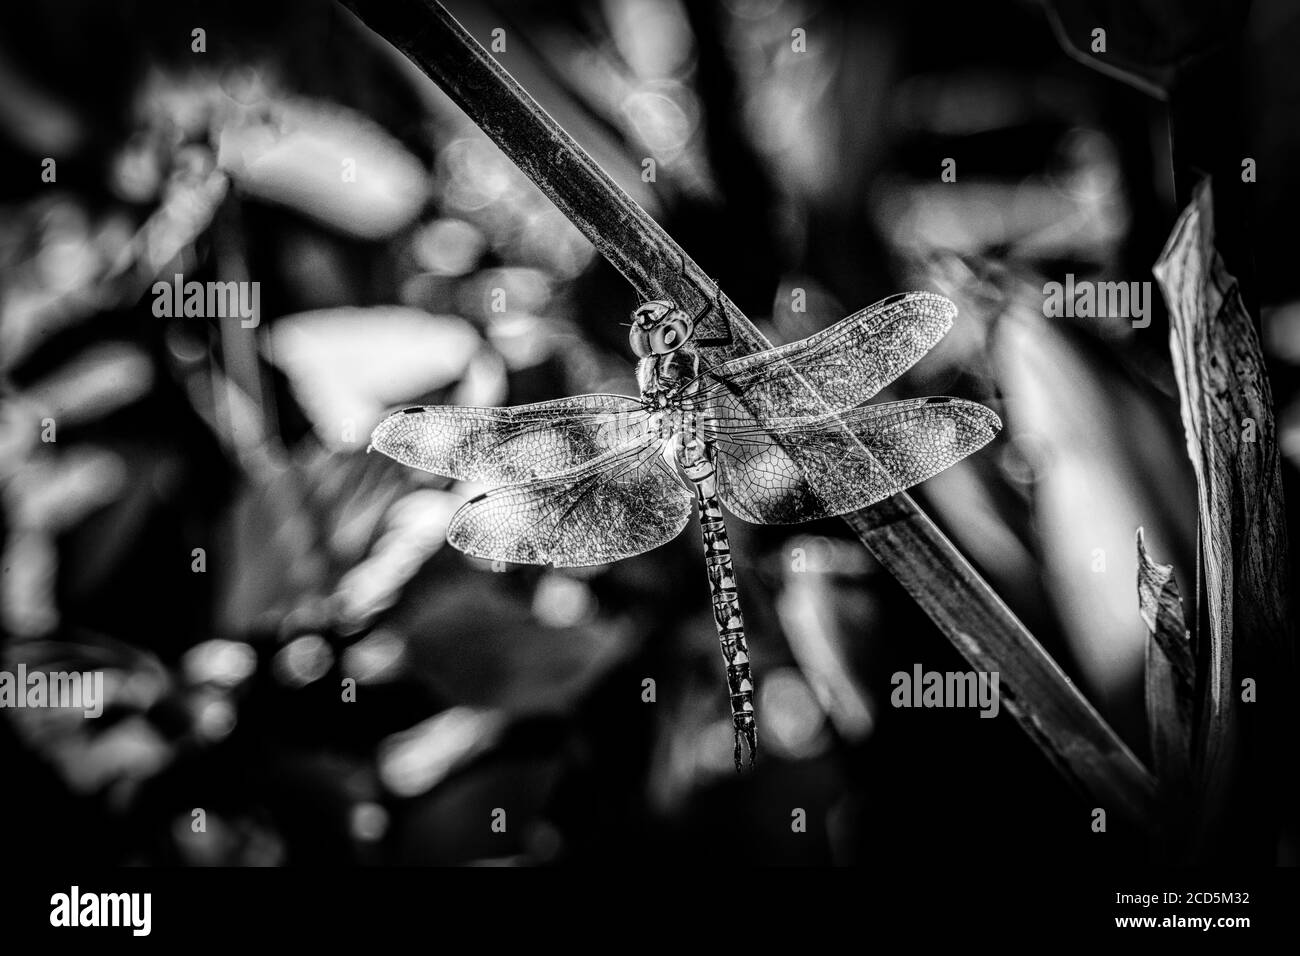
(853, 458)
(623, 503)
(846, 364)
(507, 445)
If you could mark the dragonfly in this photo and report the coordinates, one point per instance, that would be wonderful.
(777, 437)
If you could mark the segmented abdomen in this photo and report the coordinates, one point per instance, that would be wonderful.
(726, 605)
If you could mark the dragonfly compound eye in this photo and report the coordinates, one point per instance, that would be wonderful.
(645, 320)
(672, 333)
(658, 328)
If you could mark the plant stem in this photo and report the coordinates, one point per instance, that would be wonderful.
(1036, 691)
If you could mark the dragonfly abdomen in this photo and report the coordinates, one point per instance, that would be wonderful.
(696, 465)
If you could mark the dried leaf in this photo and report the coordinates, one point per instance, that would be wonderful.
(1227, 410)
(1170, 673)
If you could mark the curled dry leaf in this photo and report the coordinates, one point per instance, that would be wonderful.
(1227, 410)
(1170, 671)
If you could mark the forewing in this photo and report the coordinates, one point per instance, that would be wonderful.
(832, 464)
(845, 364)
(507, 445)
(620, 504)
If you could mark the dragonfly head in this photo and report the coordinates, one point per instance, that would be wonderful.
(659, 327)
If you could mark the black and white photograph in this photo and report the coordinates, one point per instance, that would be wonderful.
(650, 440)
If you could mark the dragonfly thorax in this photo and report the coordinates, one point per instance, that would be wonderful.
(674, 421)
(663, 379)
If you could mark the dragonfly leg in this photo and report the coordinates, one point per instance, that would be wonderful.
(717, 292)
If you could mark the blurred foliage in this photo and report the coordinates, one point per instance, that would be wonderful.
(521, 688)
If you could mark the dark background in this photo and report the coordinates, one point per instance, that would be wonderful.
(521, 689)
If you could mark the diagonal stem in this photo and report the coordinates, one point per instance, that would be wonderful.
(1057, 717)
